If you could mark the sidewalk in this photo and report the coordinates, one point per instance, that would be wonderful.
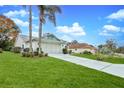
(114, 69)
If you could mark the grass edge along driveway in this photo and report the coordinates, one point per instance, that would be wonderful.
(110, 59)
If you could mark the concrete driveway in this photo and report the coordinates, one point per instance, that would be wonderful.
(114, 69)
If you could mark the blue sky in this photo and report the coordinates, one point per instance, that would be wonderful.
(89, 24)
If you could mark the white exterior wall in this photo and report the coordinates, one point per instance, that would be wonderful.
(82, 50)
(19, 42)
(34, 45)
(47, 47)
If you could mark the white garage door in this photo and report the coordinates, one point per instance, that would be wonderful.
(52, 48)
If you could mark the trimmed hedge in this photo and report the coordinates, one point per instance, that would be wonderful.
(16, 49)
(27, 54)
(87, 52)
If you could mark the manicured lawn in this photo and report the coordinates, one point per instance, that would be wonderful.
(17, 71)
(111, 59)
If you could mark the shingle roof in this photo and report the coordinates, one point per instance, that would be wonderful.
(47, 37)
(24, 37)
(80, 46)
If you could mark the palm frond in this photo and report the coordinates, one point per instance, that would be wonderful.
(53, 9)
(52, 18)
(48, 11)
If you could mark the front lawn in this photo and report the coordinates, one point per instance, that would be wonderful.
(116, 60)
(46, 72)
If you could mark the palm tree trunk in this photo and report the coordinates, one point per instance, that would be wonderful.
(30, 28)
(40, 33)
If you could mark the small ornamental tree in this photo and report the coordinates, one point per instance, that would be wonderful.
(8, 32)
(109, 48)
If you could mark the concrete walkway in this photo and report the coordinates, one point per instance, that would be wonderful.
(114, 69)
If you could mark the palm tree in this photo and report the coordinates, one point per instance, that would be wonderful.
(30, 29)
(46, 11)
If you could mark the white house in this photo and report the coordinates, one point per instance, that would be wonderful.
(49, 43)
(81, 47)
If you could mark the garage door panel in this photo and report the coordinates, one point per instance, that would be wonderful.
(51, 48)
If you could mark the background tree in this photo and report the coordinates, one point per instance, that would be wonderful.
(100, 47)
(74, 42)
(108, 48)
(111, 44)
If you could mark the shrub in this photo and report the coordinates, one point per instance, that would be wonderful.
(80, 52)
(17, 49)
(37, 49)
(8, 48)
(99, 57)
(87, 52)
(35, 53)
(26, 50)
(23, 54)
(65, 51)
(41, 55)
(31, 54)
(46, 54)
(1, 51)
(27, 54)
(70, 51)
(5, 42)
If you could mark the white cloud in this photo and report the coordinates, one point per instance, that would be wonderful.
(35, 27)
(105, 34)
(75, 29)
(15, 13)
(21, 22)
(109, 30)
(35, 34)
(119, 15)
(66, 38)
(34, 17)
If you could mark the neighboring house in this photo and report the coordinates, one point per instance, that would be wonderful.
(50, 43)
(81, 47)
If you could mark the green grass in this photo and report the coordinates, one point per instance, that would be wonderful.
(115, 60)
(47, 72)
